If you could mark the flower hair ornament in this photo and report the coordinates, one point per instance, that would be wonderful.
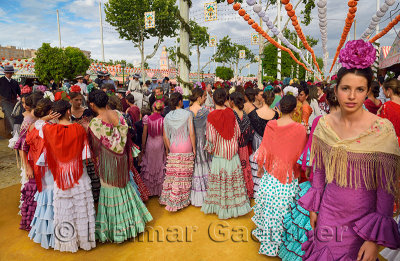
(61, 95)
(178, 89)
(268, 88)
(157, 102)
(290, 90)
(75, 88)
(357, 54)
(41, 88)
(26, 89)
(49, 95)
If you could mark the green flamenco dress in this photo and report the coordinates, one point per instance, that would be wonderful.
(121, 213)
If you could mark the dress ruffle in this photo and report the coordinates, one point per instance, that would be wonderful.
(178, 181)
(42, 228)
(74, 209)
(202, 165)
(95, 180)
(253, 163)
(322, 254)
(246, 169)
(378, 228)
(272, 204)
(24, 179)
(390, 254)
(28, 206)
(226, 194)
(312, 199)
(295, 224)
(143, 190)
(153, 165)
(121, 214)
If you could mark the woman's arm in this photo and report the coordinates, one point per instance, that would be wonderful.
(192, 135)
(144, 137)
(166, 142)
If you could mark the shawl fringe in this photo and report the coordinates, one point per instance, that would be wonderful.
(350, 169)
(112, 168)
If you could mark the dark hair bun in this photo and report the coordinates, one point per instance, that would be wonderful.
(43, 108)
(269, 97)
(287, 104)
(99, 98)
(238, 99)
(219, 96)
(174, 100)
(61, 107)
(196, 93)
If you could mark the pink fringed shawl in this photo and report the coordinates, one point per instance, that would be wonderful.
(280, 149)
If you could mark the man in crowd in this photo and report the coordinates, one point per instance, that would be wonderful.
(52, 85)
(99, 79)
(166, 85)
(107, 79)
(9, 90)
(81, 84)
(86, 79)
(158, 94)
(134, 85)
(154, 84)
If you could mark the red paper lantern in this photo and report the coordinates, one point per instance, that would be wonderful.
(236, 6)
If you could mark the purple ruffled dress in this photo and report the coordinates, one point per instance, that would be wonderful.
(153, 162)
(28, 190)
(347, 217)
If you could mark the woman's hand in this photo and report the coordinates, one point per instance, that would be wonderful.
(29, 172)
(260, 172)
(368, 251)
(313, 219)
(194, 152)
(53, 115)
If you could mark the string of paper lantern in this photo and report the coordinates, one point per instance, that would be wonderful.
(258, 29)
(292, 14)
(349, 21)
(323, 22)
(257, 8)
(376, 18)
(386, 29)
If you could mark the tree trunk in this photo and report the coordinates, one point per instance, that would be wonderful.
(198, 63)
(184, 46)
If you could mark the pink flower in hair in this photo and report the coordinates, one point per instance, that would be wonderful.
(357, 54)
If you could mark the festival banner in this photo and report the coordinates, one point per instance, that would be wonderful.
(254, 39)
(150, 20)
(210, 11)
(242, 54)
(213, 41)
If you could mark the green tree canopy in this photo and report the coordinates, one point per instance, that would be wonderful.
(77, 62)
(55, 63)
(127, 17)
(225, 73)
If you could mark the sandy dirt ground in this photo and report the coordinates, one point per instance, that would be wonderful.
(9, 171)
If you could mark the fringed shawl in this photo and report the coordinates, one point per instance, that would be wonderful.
(280, 149)
(64, 145)
(176, 125)
(222, 133)
(110, 151)
(155, 123)
(21, 142)
(111, 167)
(372, 159)
(36, 148)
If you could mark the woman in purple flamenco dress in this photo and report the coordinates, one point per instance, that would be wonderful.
(357, 160)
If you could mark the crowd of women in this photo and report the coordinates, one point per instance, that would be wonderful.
(322, 169)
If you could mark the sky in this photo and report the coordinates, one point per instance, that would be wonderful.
(29, 23)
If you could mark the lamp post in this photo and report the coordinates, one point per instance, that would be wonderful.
(262, 56)
(123, 75)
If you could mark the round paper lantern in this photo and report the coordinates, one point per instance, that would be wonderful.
(291, 13)
(246, 17)
(257, 8)
(390, 2)
(255, 25)
(384, 8)
(250, 22)
(379, 13)
(293, 18)
(230, 1)
(353, 10)
(261, 14)
(285, 2)
(352, 3)
(242, 12)
(321, 3)
(251, 2)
